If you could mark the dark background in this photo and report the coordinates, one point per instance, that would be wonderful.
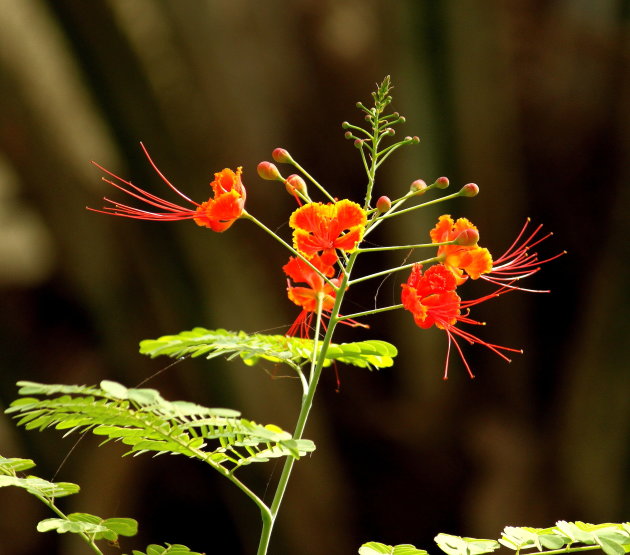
(526, 98)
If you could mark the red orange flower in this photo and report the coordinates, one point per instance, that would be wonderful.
(325, 227)
(516, 263)
(471, 259)
(432, 299)
(308, 297)
(217, 213)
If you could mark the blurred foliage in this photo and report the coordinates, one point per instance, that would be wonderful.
(526, 98)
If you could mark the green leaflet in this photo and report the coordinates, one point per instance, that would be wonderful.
(612, 539)
(146, 422)
(90, 527)
(456, 545)
(251, 348)
(375, 548)
(32, 484)
(95, 527)
(175, 549)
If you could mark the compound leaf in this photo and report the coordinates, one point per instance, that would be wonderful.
(252, 348)
(146, 422)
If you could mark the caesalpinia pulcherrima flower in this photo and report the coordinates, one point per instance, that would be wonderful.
(217, 213)
(323, 228)
(432, 299)
(473, 261)
(308, 297)
(459, 259)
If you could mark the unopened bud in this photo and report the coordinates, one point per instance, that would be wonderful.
(345, 125)
(467, 238)
(442, 182)
(348, 135)
(418, 187)
(295, 184)
(268, 171)
(383, 204)
(469, 190)
(402, 119)
(415, 139)
(390, 131)
(281, 156)
(358, 143)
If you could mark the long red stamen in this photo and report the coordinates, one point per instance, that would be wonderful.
(518, 262)
(164, 178)
(144, 196)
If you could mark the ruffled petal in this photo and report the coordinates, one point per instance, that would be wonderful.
(440, 233)
(350, 240)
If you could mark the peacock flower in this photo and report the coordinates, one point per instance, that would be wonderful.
(301, 272)
(432, 299)
(463, 260)
(323, 228)
(318, 292)
(217, 213)
(516, 263)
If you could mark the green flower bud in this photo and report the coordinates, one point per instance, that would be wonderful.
(383, 204)
(268, 171)
(469, 190)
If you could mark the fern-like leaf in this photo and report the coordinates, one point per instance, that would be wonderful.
(146, 422)
(612, 539)
(251, 348)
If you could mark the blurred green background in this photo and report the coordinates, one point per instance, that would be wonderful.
(527, 98)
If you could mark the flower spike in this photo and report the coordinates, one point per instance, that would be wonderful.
(217, 213)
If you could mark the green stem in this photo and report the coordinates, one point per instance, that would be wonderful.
(313, 181)
(286, 245)
(397, 269)
(570, 550)
(371, 171)
(369, 312)
(62, 515)
(415, 207)
(408, 247)
(307, 404)
(393, 211)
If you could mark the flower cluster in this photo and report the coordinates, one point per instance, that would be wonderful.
(327, 238)
(319, 230)
(432, 296)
